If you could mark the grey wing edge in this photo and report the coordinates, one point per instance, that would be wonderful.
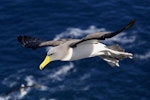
(104, 36)
(34, 43)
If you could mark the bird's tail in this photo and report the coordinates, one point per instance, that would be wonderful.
(114, 54)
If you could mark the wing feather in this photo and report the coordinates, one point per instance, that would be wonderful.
(103, 35)
(34, 43)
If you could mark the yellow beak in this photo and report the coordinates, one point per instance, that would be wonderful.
(45, 62)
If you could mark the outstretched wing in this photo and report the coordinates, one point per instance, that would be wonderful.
(103, 35)
(17, 89)
(34, 43)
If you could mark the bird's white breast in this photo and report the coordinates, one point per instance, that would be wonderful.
(84, 51)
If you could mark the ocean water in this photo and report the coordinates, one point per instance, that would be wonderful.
(86, 79)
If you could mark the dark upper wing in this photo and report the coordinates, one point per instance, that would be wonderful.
(103, 35)
(34, 43)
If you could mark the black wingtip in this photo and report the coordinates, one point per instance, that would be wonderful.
(131, 23)
(29, 42)
(21, 40)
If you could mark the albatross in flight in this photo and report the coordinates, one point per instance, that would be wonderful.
(74, 49)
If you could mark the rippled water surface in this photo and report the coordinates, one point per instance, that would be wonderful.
(87, 79)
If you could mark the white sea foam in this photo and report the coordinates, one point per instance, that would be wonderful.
(8, 81)
(85, 76)
(43, 88)
(46, 99)
(23, 92)
(2, 98)
(5, 98)
(57, 75)
(30, 80)
(77, 32)
(20, 94)
(143, 56)
(122, 38)
(12, 79)
(15, 95)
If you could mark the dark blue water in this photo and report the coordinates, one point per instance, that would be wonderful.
(87, 79)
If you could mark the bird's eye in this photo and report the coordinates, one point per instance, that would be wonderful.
(51, 54)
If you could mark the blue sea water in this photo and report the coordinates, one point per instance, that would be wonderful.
(87, 79)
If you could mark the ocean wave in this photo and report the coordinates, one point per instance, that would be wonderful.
(18, 92)
(16, 95)
(85, 76)
(8, 81)
(122, 38)
(30, 80)
(57, 75)
(77, 32)
(143, 56)
(5, 98)
(46, 99)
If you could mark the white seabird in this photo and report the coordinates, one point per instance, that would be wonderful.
(74, 49)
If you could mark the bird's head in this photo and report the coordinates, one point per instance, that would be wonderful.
(53, 54)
